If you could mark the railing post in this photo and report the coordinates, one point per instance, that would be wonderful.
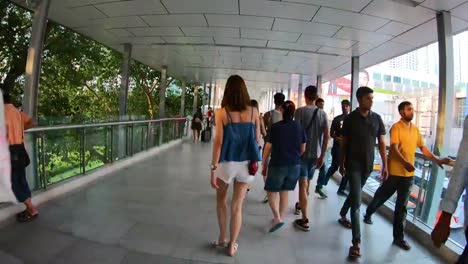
(112, 144)
(161, 132)
(43, 177)
(82, 150)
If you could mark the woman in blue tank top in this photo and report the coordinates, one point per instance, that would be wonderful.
(235, 145)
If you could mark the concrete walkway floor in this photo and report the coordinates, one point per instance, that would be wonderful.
(163, 211)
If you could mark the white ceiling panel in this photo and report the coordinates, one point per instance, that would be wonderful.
(350, 5)
(218, 49)
(326, 41)
(427, 33)
(394, 28)
(461, 11)
(266, 52)
(269, 35)
(361, 35)
(156, 32)
(132, 8)
(118, 32)
(343, 52)
(305, 27)
(189, 40)
(175, 20)
(142, 40)
(399, 12)
(349, 19)
(292, 46)
(202, 6)
(119, 22)
(440, 5)
(361, 48)
(241, 42)
(277, 9)
(240, 21)
(88, 12)
(220, 32)
(380, 53)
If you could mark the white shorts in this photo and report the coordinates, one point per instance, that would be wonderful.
(228, 171)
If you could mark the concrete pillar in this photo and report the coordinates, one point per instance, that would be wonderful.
(182, 98)
(209, 94)
(289, 87)
(215, 96)
(319, 85)
(354, 81)
(125, 69)
(299, 92)
(444, 115)
(162, 93)
(33, 70)
(195, 99)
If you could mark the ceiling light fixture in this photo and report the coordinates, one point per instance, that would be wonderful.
(245, 47)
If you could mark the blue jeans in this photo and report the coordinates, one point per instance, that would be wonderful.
(464, 256)
(325, 177)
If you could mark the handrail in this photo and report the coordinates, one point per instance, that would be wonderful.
(105, 124)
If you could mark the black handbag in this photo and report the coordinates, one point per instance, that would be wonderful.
(19, 156)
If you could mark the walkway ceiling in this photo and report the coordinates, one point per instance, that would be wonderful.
(263, 40)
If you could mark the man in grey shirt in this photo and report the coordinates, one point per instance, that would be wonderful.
(315, 123)
(458, 183)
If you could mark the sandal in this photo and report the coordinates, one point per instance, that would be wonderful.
(26, 217)
(236, 247)
(345, 223)
(21, 214)
(217, 244)
(276, 227)
(354, 252)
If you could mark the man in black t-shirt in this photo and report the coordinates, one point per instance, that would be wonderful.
(336, 133)
(361, 129)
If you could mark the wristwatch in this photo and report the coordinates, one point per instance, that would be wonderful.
(213, 167)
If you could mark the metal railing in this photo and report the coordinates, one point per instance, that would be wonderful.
(61, 152)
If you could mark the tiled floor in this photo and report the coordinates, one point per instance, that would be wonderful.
(163, 211)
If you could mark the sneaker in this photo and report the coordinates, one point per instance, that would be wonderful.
(368, 219)
(265, 200)
(321, 193)
(342, 193)
(297, 210)
(402, 244)
(302, 224)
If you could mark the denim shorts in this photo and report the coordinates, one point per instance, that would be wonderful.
(282, 178)
(308, 167)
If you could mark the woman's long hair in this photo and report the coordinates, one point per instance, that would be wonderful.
(236, 97)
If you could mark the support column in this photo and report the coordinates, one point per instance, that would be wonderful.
(444, 115)
(33, 63)
(195, 99)
(162, 93)
(289, 87)
(209, 94)
(33, 70)
(319, 85)
(215, 101)
(299, 92)
(354, 81)
(122, 145)
(182, 98)
(125, 68)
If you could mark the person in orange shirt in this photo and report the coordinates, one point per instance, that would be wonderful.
(404, 139)
(16, 122)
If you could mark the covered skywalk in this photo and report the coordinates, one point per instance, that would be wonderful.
(160, 208)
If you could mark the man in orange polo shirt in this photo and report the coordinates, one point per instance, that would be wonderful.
(16, 122)
(404, 139)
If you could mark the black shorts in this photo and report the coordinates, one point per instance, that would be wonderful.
(19, 184)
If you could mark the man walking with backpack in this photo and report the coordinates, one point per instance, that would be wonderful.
(314, 121)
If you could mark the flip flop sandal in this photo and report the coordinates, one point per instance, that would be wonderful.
(276, 227)
(236, 247)
(217, 244)
(27, 217)
(345, 223)
(22, 213)
(354, 252)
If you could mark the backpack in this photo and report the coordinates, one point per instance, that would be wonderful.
(308, 151)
